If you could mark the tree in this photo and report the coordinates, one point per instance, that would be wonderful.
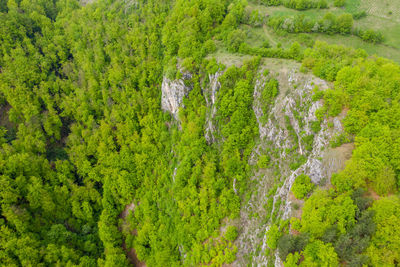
(235, 39)
(231, 233)
(272, 236)
(339, 3)
(385, 244)
(302, 186)
(345, 23)
(318, 253)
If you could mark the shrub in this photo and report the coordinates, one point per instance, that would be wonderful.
(359, 15)
(369, 35)
(263, 161)
(231, 233)
(339, 140)
(339, 3)
(345, 23)
(209, 46)
(302, 186)
(235, 39)
(295, 224)
(272, 236)
(298, 161)
(291, 244)
(315, 126)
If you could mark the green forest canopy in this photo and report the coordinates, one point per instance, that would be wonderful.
(82, 135)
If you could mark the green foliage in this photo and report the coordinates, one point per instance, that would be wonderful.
(339, 140)
(85, 137)
(323, 209)
(292, 259)
(329, 24)
(302, 186)
(235, 39)
(90, 137)
(263, 161)
(319, 254)
(308, 141)
(385, 244)
(339, 3)
(231, 233)
(297, 161)
(341, 216)
(254, 18)
(290, 244)
(315, 126)
(268, 94)
(369, 35)
(273, 235)
(297, 4)
(359, 15)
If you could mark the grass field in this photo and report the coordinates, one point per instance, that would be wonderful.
(382, 15)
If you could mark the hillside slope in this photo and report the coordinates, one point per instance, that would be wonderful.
(199, 132)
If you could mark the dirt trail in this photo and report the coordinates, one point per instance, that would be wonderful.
(272, 41)
(131, 253)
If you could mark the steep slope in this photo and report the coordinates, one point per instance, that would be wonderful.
(287, 136)
(288, 139)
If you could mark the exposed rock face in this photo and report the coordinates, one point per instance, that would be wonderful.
(173, 92)
(85, 2)
(130, 252)
(210, 93)
(293, 102)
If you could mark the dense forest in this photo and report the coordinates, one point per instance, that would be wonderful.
(93, 171)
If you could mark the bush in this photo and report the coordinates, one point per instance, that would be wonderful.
(298, 161)
(272, 2)
(231, 233)
(302, 186)
(359, 15)
(256, 19)
(235, 39)
(345, 23)
(263, 161)
(339, 140)
(295, 223)
(272, 236)
(291, 244)
(369, 35)
(266, 44)
(339, 3)
(315, 126)
(308, 142)
(268, 94)
(209, 46)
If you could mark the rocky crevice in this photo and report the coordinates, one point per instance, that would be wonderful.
(292, 106)
(173, 93)
(293, 102)
(210, 94)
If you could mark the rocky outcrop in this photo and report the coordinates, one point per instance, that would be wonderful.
(292, 106)
(293, 102)
(210, 94)
(173, 92)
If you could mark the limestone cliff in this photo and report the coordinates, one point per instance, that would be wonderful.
(173, 92)
(285, 135)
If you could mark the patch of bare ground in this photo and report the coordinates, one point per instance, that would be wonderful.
(297, 205)
(130, 252)
(371, 193)
(4, 121)
(335, 159)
